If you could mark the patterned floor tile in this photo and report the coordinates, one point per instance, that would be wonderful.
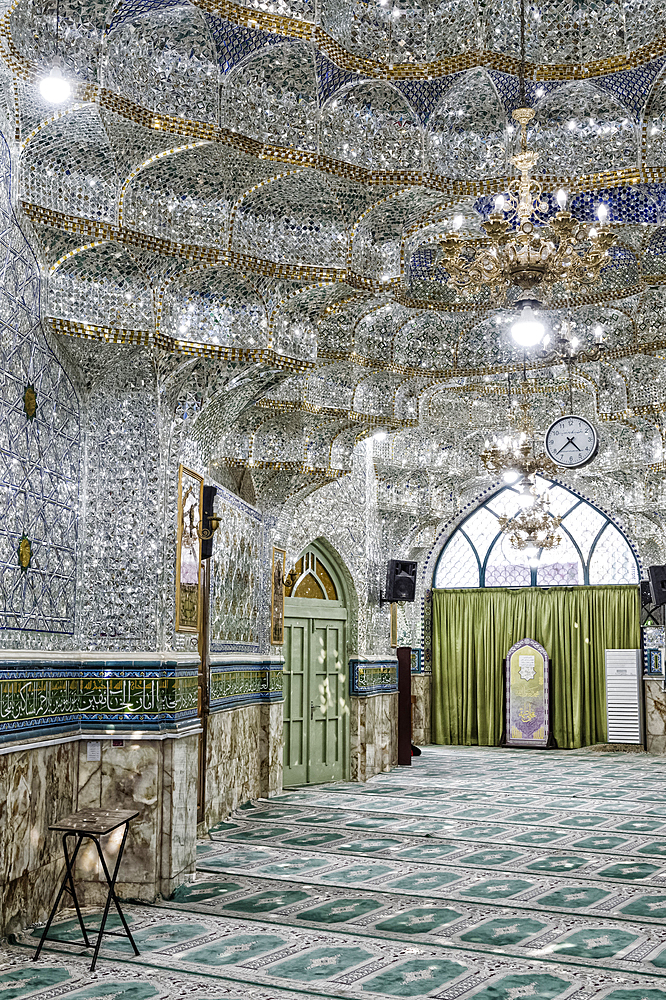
(574, 898)
(321, 963)
(597, 942)
(420, 920)
(502, 932)
(497, 888)
(265, 902)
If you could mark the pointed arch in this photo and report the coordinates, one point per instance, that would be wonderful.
(580, 126)
(593, 550)
(278, 78)
(372, 124)
(336, 568)
(467, 130)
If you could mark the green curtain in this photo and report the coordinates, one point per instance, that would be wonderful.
(473, 630)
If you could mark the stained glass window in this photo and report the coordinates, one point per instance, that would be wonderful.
(592, 549)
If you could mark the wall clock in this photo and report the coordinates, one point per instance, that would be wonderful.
(571, 441)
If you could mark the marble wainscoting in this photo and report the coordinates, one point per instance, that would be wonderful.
(243, 732)
(373, 735)
(159, 779)
(52, 705)
(421, 695)
(243, 758)
(655, 715)
(373, 711)
(37, 785)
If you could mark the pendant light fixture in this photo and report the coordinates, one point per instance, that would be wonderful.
(527, 330)
(525, 247)
(54, 88)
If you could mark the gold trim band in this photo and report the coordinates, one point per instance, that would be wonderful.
(308, 31)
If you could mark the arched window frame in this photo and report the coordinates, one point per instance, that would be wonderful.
(549, 483)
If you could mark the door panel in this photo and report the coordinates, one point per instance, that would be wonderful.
(315, 685)
(296, 699)
(326, 748)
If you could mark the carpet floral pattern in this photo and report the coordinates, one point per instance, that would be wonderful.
(478, 873)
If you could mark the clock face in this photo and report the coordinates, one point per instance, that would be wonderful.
(571, 441)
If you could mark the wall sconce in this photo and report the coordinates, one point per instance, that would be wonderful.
(213, 524)
(290, 579)
(210, 522)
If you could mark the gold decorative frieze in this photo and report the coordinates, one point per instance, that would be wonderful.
(292, 467)
(328, 412)
(115, 335)
(199, 132)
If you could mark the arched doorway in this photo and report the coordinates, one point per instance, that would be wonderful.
(316, 690)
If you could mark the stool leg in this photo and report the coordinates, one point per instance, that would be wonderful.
(73, 887)
(68, 878)
(111, 895)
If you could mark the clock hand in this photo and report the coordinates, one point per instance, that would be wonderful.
(566, 445)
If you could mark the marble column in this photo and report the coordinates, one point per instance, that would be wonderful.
(373, 734)
(37, 786)
(243, 757)
(159, 779)
(421, 694)
(655, 715)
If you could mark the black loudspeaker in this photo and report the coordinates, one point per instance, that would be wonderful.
(657, 575)
(401, 580)
(209, 494)
(646, 594)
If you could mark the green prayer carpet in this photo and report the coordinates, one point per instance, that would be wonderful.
(483, 873)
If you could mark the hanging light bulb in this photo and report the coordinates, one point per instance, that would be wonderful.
(499, 203)
(602, 213)
(527, 330)
(561, 198)
(54, 88)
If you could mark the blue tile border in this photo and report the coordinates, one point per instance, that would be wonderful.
(368, 677)
(235, 681)
(74, 693)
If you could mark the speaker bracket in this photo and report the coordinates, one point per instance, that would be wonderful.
(385, 600)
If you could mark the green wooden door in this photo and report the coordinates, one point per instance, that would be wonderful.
(316, 713)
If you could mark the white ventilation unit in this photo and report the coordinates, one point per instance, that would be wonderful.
(624, 695)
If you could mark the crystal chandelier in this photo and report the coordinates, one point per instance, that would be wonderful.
(515, 456)
(566, 348)
(525, 250)
(533, 528)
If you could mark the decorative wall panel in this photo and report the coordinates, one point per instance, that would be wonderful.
(122, 556)
(277, 597)
(237, 574)
(344, 514)
(39, 451)
(368, 677)
(188, 550)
